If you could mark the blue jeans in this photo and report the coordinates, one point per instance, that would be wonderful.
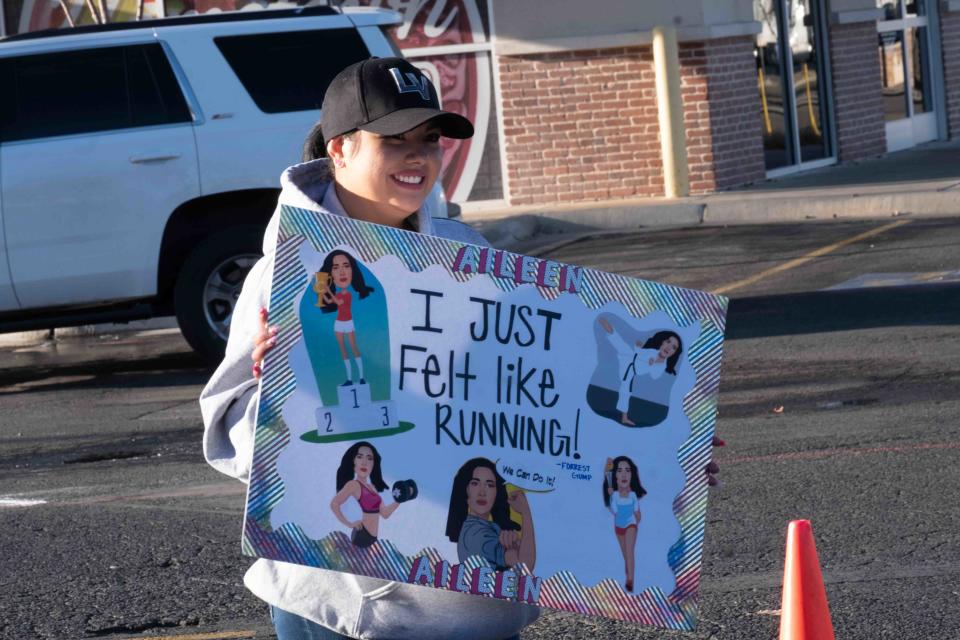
(290, 626)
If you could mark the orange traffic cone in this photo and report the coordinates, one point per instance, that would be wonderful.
(804, 614)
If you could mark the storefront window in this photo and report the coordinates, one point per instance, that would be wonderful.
(906, 68)
(892, 75)
(919, 58)
(771, 83)
(794, 113)
(806, 81)
(915, 7)
(891, 9)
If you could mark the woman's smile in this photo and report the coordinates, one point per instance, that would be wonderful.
(408, 180)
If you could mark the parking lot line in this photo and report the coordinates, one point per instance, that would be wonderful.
(843, 452)
(816, 253)
(215, 635)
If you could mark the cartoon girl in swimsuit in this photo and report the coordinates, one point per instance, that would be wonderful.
(621, 495)
(344, 273)
(359, 477)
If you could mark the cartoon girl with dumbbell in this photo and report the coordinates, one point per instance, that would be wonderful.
(359, 477)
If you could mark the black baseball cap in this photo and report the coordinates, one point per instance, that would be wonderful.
(387, 96)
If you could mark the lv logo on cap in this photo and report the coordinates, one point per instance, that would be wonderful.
(411, 83)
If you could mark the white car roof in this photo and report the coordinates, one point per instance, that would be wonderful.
(207, 24)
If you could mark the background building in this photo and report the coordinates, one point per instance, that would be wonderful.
(564, 98)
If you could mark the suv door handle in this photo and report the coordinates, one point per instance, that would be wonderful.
(158, 157)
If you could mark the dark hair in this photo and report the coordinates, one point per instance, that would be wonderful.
(314, 146)
(657, 341)
(357, 282)
(345, 472)
(635, 485)
(458, 499)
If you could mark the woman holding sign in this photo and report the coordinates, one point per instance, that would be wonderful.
(383, 141)
(621, 495)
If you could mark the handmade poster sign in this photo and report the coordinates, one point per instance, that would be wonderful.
(467, 419)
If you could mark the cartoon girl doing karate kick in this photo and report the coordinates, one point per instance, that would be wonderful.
(652, 358)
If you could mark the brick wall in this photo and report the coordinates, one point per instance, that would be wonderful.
(721, 104)
(857, 94)
(580, 125)
(950, 37)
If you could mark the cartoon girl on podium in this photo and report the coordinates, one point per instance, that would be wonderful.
(338, 274)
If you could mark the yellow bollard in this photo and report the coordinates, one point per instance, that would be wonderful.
(813, 117)
(763, 101)
(673, 143)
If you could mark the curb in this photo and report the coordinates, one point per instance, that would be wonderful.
(507, 227)
(726, 209)
(41, 337)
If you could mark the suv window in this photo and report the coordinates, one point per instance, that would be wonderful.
(86, 91)
(291, 71)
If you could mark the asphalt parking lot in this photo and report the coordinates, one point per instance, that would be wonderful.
(839, 403)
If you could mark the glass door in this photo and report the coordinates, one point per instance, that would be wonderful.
(793, 82)
(906, 73)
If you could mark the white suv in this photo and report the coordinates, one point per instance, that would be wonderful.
(140, 162)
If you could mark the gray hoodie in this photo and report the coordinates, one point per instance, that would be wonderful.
(355, 606)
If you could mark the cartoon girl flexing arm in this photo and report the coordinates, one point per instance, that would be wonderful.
(479, 518)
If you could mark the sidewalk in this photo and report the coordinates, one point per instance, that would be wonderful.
(924, 181)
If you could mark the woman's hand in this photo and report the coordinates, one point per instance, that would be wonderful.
(265, 340)
(356, 524)
(713, 468)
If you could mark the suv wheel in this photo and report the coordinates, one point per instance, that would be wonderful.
(208, 287)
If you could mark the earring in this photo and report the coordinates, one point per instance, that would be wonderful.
(339, 163)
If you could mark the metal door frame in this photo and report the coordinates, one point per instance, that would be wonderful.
(933, 71)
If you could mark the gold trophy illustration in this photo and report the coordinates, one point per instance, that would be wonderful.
(321, 286)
